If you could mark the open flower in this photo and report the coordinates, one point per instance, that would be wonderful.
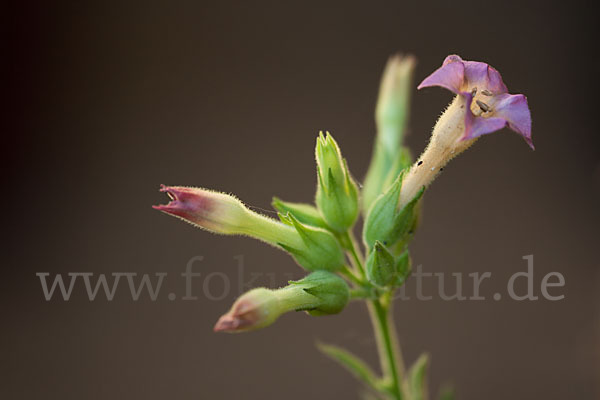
(482, 105)
(491, 106)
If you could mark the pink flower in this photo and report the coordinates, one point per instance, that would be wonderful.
(491, 107)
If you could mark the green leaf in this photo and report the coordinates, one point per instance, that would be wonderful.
(417, 378)
(446, 393)
(353, 364)
(369, 395)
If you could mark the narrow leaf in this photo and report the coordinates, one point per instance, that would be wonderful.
(352, 363)
(446, 393)
(417, 378)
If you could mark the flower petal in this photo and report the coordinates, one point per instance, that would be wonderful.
(484, 76)
(478, 126)
(514, 109)
(449, 76)
(452, 58)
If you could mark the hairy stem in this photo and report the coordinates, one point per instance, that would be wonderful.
(388, 346)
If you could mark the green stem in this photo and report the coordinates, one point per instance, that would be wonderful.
(388, 346)
(361, 293)
(350, 275)
(349, 242)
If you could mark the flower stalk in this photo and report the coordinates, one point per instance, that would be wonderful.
(388, 346)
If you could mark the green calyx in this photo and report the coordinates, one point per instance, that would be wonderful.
(330, 293)
(386, 270)
(386, 222)
(380, 266)
(318, 249)
(402, 268)
(337, 193)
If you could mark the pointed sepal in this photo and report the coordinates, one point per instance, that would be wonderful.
(337, 192)
(331, 291)
(318, 248)
(402, 268)
(380, 266)
(388, 223)
(305, 213)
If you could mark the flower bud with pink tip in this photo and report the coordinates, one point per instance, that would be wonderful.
(312, 247)
(255, 309)
(319, 293)
(216, 212)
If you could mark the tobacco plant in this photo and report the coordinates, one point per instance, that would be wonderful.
(320, 236)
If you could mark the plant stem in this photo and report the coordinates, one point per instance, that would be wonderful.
(388, 346)
(349, 241)
(349, 273)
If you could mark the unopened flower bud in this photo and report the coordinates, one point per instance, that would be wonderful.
(320, 293)
(380, 266)
(389, 222)
(216, 212)
(393, 103)
(337, 193)
(391, 116)
(331, 291)
(402, 160)
(313, 248)
(255, 309)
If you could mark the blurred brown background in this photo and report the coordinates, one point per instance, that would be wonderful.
(106, 101)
